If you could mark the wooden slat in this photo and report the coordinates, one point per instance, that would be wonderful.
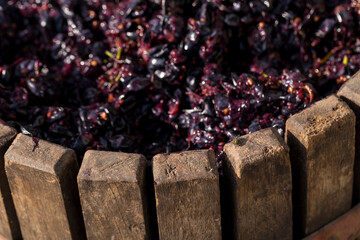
(187, 195)
(112, 194)
(350, 93)
(42, 179)
(9, 223)
(322, 151)
(258, 186)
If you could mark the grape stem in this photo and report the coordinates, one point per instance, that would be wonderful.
(163, 6)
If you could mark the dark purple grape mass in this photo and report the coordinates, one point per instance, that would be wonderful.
(136, 76)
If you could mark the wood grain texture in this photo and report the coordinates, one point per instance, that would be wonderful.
(187, 195)
(257, 175)
(112, 194)
(322, 151)
(43, 184)
(9, 223)
(350, 93)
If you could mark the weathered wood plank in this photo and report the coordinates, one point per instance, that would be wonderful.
(350, 93)
(112, 194)
(258, 183)
(187, 195)
(9, 223)
(42, 179)
(322, 150)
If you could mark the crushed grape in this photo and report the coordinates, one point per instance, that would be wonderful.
(136, 76)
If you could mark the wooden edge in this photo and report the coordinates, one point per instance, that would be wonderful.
(3, 238)
(346, 227)
(52, 208)
(187, 195)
